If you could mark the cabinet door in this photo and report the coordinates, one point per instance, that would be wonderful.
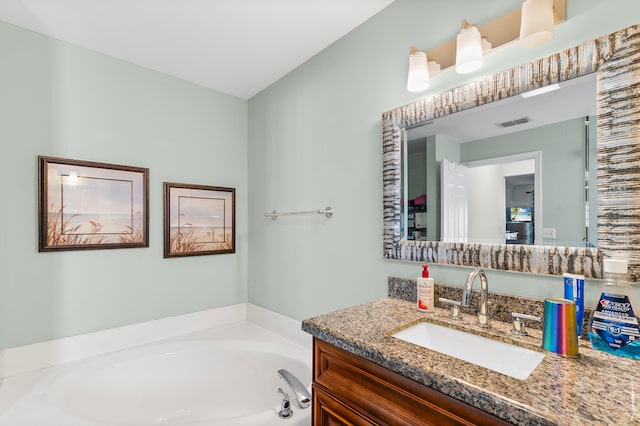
(328, 411)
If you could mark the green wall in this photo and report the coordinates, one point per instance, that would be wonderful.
(60, 100)
(315, 140)
(417, 164)
(310, 140)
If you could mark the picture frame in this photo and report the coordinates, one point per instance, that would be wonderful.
(87, 205)
(198, 220)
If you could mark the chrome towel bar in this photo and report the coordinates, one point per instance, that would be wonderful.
(327, 212)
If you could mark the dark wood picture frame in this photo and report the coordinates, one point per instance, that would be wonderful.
(86, 205)
(198, 220)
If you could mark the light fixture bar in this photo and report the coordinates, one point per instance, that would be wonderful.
(501, 31)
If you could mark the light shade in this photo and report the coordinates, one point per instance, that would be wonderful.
(468, 49)
(418, 79)
(537, 25)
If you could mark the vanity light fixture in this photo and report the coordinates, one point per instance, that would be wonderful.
(531, 25)
(418, 79)
(537, 24)
(468, 49)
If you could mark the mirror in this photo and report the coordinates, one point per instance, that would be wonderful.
(618, 134)
(511, 153)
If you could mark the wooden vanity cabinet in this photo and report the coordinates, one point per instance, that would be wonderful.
(349, 390)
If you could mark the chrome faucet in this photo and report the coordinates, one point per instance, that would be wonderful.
(301, 394)
(483, 312)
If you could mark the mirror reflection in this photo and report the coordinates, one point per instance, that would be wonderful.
(517, 171)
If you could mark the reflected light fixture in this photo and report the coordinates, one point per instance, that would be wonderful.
(537, 25)
(468, 49)
(418, 79)
(540, 90)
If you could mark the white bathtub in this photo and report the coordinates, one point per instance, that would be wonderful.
(222, 376)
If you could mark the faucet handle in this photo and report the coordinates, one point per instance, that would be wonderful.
(519, 327)
(285, 409)
(456, 315)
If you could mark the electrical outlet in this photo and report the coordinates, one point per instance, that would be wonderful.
(549, 233)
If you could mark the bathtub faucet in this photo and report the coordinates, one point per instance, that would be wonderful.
(300, 393)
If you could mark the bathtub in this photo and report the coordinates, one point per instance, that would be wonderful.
(219, 377)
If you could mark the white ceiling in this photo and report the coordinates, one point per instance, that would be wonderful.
(238, 47)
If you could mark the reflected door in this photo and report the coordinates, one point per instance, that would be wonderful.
(454, 202)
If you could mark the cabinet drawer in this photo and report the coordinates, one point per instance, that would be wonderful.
(328, 411)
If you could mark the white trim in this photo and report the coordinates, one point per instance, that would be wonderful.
(536, 155)
(279, 324)
(45, 354)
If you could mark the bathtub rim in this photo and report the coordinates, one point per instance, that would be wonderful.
(66, 382)
(24, 359)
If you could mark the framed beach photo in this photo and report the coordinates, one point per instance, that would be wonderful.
(198, 220)
(84, 205)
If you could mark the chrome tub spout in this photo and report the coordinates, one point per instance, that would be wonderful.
(299, 392)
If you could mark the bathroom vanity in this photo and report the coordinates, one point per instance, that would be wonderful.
(348, 389)
(363, 375)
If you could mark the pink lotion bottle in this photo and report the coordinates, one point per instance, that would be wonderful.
(425, 291)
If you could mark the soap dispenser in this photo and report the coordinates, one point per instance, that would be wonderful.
(425, 291)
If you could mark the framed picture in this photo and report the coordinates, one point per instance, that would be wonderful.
(84, 205)
(198, 220)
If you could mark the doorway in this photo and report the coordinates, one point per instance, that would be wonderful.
(520, 209)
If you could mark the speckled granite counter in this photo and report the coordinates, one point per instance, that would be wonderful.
(592, 389)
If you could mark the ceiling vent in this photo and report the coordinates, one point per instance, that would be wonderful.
(515, 122)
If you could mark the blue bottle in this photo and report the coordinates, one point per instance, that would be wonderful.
(614, 327)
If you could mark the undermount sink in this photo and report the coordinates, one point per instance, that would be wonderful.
(504, 358)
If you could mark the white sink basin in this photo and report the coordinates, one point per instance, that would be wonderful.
(504, 358)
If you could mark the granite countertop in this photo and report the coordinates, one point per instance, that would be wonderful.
(594, 388)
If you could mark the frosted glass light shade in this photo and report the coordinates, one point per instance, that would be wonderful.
(537, 25)
(418, 79)
(468, 50)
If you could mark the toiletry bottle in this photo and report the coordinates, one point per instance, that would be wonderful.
(425, 291)
(574, 290)
(614, 327)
